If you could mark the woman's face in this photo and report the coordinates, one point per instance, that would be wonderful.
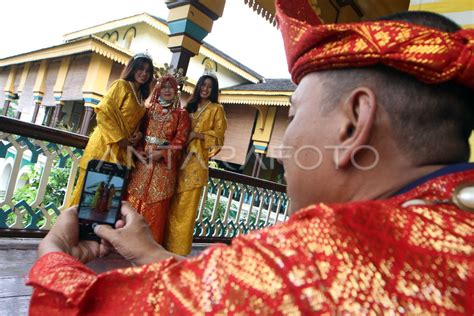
(206, 89)
(142, 74)
(167, 92)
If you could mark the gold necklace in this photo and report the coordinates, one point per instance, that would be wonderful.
(139, 101)
(199, 111)
(163, 116)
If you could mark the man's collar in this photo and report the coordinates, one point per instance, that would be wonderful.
(438, 173)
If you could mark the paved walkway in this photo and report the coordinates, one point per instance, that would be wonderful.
(17, 257)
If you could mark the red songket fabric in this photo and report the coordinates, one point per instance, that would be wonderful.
(152, 185)
(430, 55)
(413, 253)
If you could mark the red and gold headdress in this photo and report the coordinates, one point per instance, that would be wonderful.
(168, 74)
(167, 78)
(430, 55)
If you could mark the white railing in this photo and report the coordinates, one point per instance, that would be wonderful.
(233, 204)
(38, 168)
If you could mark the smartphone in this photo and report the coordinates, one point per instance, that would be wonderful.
(101, 197)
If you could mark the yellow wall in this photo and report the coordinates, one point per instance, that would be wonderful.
(460, 11)
(40, 83)
(97, 77)
(10, 85)
(24, 75)
(263, 128)
(61, 79)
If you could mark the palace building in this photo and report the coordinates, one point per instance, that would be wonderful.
(59, 86)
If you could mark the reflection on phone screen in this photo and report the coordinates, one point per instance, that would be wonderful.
(101, 197)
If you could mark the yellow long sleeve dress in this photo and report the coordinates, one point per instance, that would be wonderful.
(193, 176)
(118, 117)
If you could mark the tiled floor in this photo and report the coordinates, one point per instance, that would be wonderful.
(16, 258)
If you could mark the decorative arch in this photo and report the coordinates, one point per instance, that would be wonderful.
(114, 36)
(23, 177)
(129, 35)
(106, 36)
(209, 65)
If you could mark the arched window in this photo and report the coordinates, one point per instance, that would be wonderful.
(23, 178)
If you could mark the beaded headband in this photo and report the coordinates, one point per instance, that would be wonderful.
(210, 73)
(143, 55)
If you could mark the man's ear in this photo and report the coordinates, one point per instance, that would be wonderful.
(359, 110)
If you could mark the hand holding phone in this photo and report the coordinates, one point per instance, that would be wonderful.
(101, 196)
(132, 238)
(63, 237)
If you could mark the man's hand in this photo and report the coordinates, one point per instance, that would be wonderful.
(64, 237)
(132, 238)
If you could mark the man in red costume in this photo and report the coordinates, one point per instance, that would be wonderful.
(383, 225)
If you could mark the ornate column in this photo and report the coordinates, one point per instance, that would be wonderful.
(189, 22)
(57, 111)
(88, 110)
(35, 112)
(58, 89)
(9, 90)
(6, 104)
(257, 165)
(21, 85)
(262, 134)
(263, 128)
(38, 88)
(48, 116)
(94, 87)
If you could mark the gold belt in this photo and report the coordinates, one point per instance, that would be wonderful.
(156, 141)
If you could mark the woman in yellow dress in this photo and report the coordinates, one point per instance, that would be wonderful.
(97, 196)
(118, 117)
(208, 125)
(112, 191)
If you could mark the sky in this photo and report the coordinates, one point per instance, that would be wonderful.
(29, 25)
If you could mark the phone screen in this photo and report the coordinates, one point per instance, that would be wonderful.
(101, 196)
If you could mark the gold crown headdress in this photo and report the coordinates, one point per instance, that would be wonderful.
(178, 74)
